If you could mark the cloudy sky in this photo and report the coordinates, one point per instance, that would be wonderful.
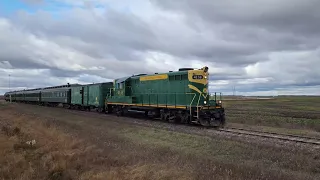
(260, 47)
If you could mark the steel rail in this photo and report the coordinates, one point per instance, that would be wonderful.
(284, 137)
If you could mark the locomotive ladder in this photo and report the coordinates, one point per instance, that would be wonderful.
(198, 106)
(190, 107)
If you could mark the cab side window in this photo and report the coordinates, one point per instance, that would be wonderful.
(120, 85)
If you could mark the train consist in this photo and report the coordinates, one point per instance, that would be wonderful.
(181, 96)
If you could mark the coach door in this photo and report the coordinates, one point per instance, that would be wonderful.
(82, 95)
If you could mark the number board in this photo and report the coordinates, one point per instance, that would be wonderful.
(197, 77)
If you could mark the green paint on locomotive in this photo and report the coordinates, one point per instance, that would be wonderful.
(180, 89)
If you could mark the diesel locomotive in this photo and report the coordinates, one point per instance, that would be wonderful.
(181, 96)
(177, 96)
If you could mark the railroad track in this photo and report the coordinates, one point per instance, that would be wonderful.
(241, 131)
(270, 135)
(263, 134)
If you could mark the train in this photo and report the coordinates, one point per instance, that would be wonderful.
(180, 96)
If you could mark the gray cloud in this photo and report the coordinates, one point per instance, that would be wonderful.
(112, 33)
(285, 15)
(261, 46)
(265, 25)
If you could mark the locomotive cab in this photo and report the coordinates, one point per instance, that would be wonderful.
(209, 110)
(120, 94)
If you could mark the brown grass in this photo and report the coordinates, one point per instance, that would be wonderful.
(73, 146)
(59, 156)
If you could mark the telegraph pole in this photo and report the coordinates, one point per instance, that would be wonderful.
(9, 88)
(9, 82)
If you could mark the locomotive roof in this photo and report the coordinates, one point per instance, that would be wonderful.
(169, 73)
(120, 80)
(96, 83)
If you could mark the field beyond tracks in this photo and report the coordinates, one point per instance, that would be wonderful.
(294, 115)
(76, 145)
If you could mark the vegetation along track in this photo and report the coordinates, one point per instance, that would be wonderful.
(271, 135)
(240, 131)
(228, 132)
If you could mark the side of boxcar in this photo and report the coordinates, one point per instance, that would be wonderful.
(79, 97)
(97, 94)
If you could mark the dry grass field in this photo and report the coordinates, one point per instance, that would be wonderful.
(73, 145)
(296, 115)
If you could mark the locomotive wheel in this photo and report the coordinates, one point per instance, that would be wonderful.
(120, 111)
(223, 120)
(162, 116)
(204, 122)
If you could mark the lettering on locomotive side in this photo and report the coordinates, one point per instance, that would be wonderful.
(154, 77)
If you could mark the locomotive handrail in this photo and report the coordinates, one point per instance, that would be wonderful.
(198, 106)
(191, 102)
(215, 94)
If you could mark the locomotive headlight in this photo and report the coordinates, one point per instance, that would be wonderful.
(220, 102)
(205, 77)
(205, 102)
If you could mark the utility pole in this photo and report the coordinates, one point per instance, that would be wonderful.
(9, 88)
(9, 82)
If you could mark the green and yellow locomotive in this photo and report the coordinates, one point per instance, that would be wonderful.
(181, 96)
